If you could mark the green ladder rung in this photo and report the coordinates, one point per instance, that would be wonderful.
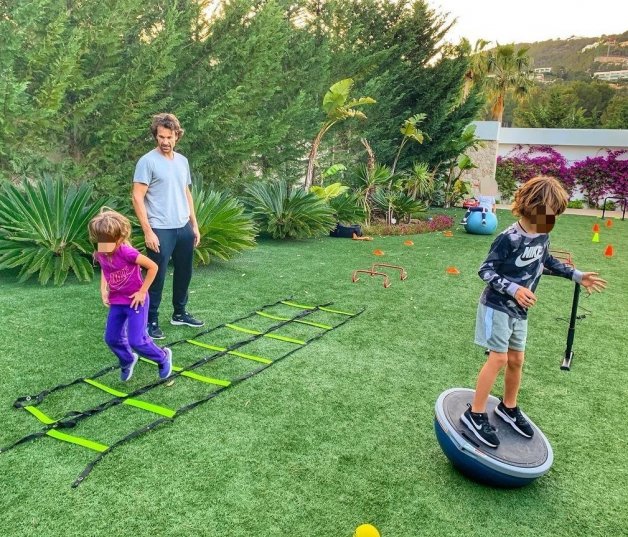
(192, 375)
(137, 403)
(271, 336)
(90, 444)
(322, 308)
(202, 378)
(44, 418)
(310, 323)
(234, 353)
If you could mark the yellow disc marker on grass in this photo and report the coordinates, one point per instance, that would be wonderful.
(366, 530)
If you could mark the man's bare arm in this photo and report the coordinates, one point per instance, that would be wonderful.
(139, 193)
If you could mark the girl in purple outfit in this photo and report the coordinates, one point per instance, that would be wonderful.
(124, 293)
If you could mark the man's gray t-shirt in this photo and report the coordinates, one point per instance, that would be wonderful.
(166, 202)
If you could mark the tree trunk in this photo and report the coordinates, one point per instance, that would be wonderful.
(394, 165)
(309, 177)
(370, 162)
(498, 108)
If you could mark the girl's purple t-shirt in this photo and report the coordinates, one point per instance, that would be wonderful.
(122, 274)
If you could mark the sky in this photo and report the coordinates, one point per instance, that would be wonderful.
(508, 21)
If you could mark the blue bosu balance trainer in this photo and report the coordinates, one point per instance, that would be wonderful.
(516, 462)
(474, 223)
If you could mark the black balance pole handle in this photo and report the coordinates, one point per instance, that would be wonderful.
(566, 365)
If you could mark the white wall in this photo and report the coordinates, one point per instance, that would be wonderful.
(573, 144)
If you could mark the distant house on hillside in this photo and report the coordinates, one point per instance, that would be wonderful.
(611, 75)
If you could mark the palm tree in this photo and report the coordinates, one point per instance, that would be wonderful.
(500, 70)
(366, 181)
(337, 109)
(507, 70)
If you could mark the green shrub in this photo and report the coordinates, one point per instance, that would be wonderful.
(283, 212)
(225, 228)
(347, 209)
(575, 204)
(609, 205)
(505, 177)
(43, 229)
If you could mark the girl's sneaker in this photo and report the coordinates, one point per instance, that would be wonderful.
(515, 418)
(127, 372)
(165, 369)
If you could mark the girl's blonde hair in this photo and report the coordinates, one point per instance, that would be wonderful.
(109, 226)
(540, 190)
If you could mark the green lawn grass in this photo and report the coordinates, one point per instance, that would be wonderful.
(339, 433)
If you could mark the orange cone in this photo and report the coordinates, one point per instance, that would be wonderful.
(453, 270)
(378, 252)
(609, 251)
(596, 237)
(609, 223)
(596, 228)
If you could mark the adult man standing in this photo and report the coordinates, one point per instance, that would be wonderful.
(163, 203)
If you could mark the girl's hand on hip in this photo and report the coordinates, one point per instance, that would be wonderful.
(137, 299)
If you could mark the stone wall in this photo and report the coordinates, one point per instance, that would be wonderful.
(482, 178)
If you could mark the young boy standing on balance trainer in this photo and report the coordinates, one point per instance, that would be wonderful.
(512, 271)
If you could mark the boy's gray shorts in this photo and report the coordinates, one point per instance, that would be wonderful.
(497, 331)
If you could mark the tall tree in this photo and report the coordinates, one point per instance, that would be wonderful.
(394, 52)
(507, 71)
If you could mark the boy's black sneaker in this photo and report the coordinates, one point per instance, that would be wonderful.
(187, 319)
(154, 331)
(515, 418)
(478, 424)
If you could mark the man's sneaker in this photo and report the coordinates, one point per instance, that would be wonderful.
(165, 369)
(185, 318)
(515, 418)
(463, 222)
(478, 424)
(127, 372)
(154, 331)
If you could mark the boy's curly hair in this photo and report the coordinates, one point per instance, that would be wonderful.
(168, 121)
(540, 190)
(109, 224)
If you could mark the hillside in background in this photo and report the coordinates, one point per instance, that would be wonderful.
(576, 55)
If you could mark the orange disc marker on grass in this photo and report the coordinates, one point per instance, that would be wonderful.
(453, 270)
(596, 228)
(448, 233)
(609, 251)
(408, 243)
(378, 252)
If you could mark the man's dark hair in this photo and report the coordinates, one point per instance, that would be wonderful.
(168, 121)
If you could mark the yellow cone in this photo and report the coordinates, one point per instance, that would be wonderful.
(366, 530)
(596, 237)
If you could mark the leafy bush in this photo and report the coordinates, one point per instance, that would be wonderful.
(609, 205)
(505, 177)
(347, 209)
(575, 204)
(284, 212)
(520, 166)
(399, 203)
(225, 228)
(602, 176)
(43, 230)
